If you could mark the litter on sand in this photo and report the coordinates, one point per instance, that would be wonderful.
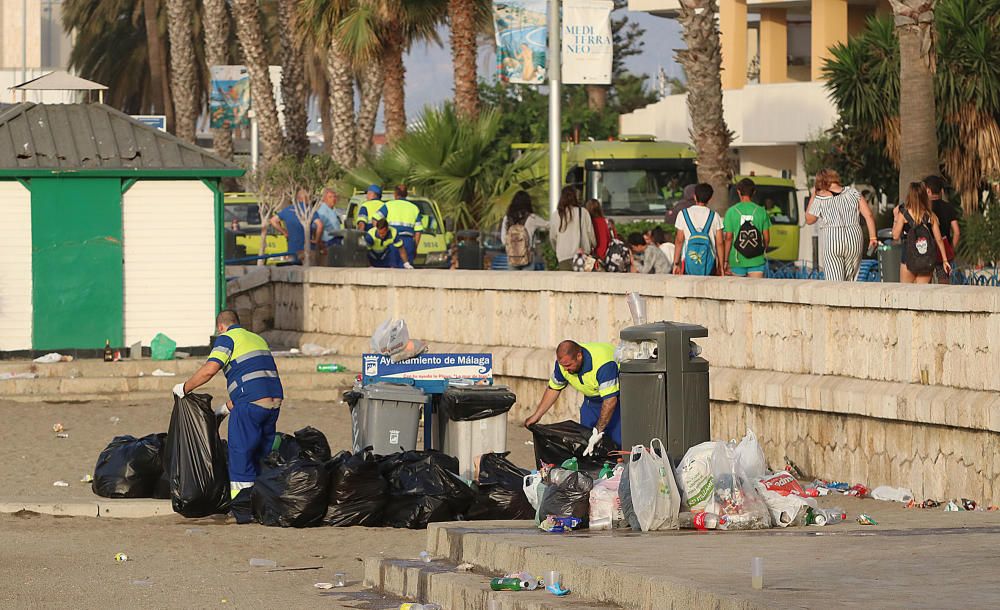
(52, 358)
(162, 373)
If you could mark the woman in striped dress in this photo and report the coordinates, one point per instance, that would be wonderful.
(841, 242)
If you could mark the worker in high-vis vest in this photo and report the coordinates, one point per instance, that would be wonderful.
(591, 369)
(255, 396)
(369, 208)
(405, 218)
(382, 241)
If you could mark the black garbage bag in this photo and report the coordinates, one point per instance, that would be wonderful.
(307, 443)
(358, 492)
(556, 443)
(290, 493)
(500, 490)
(129, 467)
(469, 403)
(424, 488)
(196, 460)
(567, 494)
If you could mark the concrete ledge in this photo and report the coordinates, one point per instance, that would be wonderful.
(137, 508)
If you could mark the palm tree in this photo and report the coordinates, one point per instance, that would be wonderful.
(294, 87)
(370, 84)
(157, 62)
(702, 62)
(217, 54)
(253, 43)
(917, 117)
(182, 67)
(464, 26)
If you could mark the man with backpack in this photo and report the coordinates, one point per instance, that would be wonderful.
(747, 230)
(698, 245)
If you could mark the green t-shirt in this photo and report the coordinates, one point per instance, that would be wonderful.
(731, 224)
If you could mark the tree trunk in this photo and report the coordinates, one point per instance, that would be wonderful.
(393, 97)
(461, 14)
(370, 82)
(157, 63)
(326, 118)
(183, 73)
(251, 38)
(294, 86)
(918, 146)
(597, 97)
(702, 61)
(216, 54)
(342, 105)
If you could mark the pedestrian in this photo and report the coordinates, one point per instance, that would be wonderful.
(841, 240)
(517, 231)
(698, 243)
(288, 224)
(570, 229)
(385, 248)
(255, 397)
(686, 201)
(658, 237)
(405, 218)
(647, 258)
(369, 207)
(918, 227)
(328, 222)
(591, 369)
(747, 233)
(947, 214)
(602, 230)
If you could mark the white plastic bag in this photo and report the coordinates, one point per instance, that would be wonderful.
(531, 484)
(786, 510)
(892, 494)
(668, 498)
(736, 496)
(605, 504)
(750, 455)
(695, 476)
(644, 486)
(390, 337)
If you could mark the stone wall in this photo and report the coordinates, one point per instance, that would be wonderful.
(881, 384)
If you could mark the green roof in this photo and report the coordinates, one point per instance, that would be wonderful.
(96, 140)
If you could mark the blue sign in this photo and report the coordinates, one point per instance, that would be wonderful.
(157, 121)
(474, 368)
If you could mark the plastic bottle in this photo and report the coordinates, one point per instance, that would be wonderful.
(607, 471)
(330, 368)
(699, 521)
(571, 464)
(825, 516)
(263, 563)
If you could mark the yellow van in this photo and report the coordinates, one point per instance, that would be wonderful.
(240, 214)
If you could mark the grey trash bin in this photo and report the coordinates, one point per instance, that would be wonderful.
(386, 418)
(665, 396)
(890, 257)
(351, 251)
(470, 250)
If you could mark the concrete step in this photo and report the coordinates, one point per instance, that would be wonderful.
(440, 582)
(132, 368)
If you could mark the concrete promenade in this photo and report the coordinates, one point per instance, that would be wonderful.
(881, 383)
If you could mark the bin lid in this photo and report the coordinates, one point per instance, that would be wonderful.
(394, 391)
(474, 402)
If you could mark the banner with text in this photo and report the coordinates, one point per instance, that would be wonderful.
(587, 42)
(522, 39)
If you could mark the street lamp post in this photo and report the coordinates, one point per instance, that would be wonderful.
(555, 132)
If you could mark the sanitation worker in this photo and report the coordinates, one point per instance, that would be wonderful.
(255, 396)
(592, 370)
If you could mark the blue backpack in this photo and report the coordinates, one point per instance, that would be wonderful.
(699, 257)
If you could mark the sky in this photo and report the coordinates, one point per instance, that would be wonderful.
(429, 70)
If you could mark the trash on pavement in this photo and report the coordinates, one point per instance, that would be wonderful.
(57, 427)
(750, 456)
(330, 368)
(558, 525)
(424, 487)
(425, 557)
(313, 349)
(62, 435)
(864, 519)
(892, 494)
(52, 358)
(18, 376)
(87, 478)
(358, 492)
(464, 567)
(968, 504)
(757, 573)
(556, 443)
(292, 490)
(162, 373)
(557, 590)
(509, 584)
(142, 582)
(567, 494)
(130, 467)
(162, 347)
(121, 557)
(323, 585)
(500, 492)
(262, 563)
(60, 484)
(114, 419)
(340, 579)
(197, 467)
(195, 531)
(951, 507)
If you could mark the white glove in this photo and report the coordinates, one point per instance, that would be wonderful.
(595, 438)
(179, 390)
(407, 265)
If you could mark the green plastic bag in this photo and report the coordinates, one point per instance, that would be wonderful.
(163, 347)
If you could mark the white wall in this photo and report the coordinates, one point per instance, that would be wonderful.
(15, 268)
(168, 229)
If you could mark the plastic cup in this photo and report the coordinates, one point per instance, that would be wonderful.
(554, 578)
(339, 579)
(637, 307)
(757, 572)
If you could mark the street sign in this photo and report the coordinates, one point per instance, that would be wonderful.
(158, 121)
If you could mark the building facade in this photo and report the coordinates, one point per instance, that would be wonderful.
(773, 95)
